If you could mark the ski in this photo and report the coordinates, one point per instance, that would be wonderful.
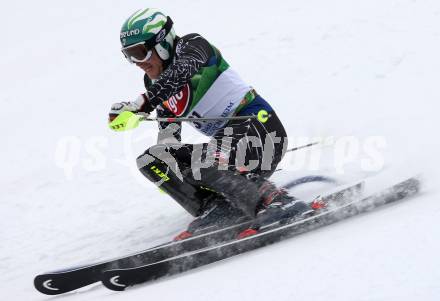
(66, 280)
(119, 279)
(63, 281)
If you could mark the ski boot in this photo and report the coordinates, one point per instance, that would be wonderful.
(277, 207)
(217, 213)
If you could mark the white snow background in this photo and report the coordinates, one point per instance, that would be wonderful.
(341, 67)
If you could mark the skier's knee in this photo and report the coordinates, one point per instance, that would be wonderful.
(144, 160)
(157, 160)
(152, 154)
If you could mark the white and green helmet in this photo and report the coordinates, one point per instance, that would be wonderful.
(152, 27)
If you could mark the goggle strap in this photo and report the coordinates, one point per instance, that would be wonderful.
(160, 36)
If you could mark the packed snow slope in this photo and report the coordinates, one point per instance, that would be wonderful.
(70, 192)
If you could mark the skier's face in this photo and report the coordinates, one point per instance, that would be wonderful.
(152, 67)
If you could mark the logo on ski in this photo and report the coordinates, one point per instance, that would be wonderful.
(114, 281)
(48, 285)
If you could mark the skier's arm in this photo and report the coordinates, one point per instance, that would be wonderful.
(192, 53)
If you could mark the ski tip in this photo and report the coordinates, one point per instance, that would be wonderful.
(412, 185)
(111, 280)
(46, 285)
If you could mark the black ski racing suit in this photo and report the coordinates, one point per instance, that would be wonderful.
(238, 151)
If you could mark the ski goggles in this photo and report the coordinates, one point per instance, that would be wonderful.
(137, 53)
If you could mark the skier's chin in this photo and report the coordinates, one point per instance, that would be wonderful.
(151, 72)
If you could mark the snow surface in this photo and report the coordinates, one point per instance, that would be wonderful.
(330, 68)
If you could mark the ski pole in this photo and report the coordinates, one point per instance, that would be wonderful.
(180, 119)
(129, 120)
(329, 141)
(303, 146)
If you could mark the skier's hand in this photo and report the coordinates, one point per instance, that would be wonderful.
(141, 104)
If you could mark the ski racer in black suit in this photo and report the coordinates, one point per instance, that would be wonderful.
(224, 181)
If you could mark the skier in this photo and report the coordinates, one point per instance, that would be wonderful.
(224, 181)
